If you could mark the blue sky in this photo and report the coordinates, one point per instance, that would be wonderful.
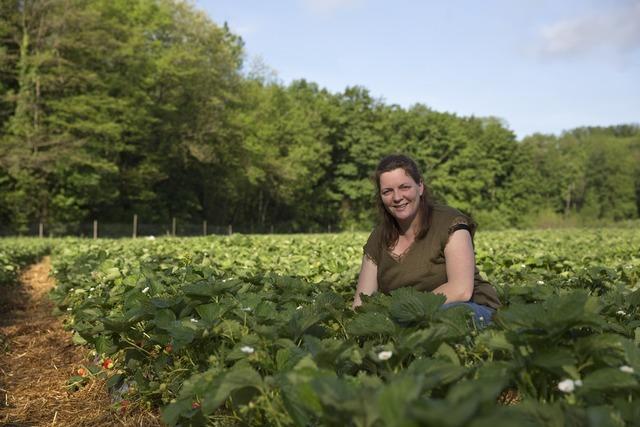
(540, 65)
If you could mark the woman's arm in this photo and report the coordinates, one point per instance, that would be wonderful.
(367, 281)
(460, 264)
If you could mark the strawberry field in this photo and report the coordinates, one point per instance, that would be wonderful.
(258, 330)
(16, 254)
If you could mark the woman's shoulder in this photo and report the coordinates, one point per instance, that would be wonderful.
(373, 244)
(447, 217)
(375, 237)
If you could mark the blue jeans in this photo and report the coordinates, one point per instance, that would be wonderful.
(481, 313)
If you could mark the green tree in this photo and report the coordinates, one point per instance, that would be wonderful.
(284, 139)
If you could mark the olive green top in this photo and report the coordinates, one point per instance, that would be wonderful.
(422, 265)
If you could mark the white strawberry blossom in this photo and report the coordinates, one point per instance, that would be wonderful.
(385, 355)
(621, 312)
(145, 290)
(568, 385)
(626, 369)
(299, 307)
(247, 309)
(194, 320)
(246, 349)
(540, 282)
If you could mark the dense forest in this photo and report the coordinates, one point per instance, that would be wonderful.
(110, 108)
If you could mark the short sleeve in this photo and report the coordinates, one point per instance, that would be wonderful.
(461, 222)
(449, 220)
(372, 247)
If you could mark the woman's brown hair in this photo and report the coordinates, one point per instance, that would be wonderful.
(389, 226)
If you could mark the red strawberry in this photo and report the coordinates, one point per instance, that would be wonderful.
(107, 364)
(82, 372)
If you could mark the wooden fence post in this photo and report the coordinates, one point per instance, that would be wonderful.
(135, 225)
(95, 229)
(173, 227)
(41, 230)
(230, 230)
(204, 227)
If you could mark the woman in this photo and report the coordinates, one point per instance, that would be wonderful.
(419, 244)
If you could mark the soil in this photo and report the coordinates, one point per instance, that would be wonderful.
(37, 358)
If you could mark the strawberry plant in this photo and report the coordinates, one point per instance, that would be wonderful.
(258, 330)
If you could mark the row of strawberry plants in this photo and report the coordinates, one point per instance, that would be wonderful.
(212, 330)
(17, 253)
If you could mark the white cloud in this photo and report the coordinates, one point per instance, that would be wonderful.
(617, 30)
(328, 7)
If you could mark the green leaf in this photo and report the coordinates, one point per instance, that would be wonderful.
(632, 354)
(604, 416)
(445, 351)
(105, 345)
(553, 358)
(304, 319)
(172, 412)
(396, 397)
(182, 332)
(115, 324)
(211, 313)
(218, 390)
(494, 340)
(409, 305)
(372, 323)
(424, 341)
(435, 372)
(208, 289)
(164, 318)
(287, 358)
(299, 398)
(607, 379)
(77, 339)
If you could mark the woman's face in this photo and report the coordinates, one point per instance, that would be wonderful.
(400, 195)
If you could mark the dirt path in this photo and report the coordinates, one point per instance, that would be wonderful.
(37, 358)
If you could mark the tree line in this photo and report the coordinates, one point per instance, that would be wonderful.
(110, 108)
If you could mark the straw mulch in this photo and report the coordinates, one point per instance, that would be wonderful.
(37, 358)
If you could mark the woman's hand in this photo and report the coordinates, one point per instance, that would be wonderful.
(460, 264)
(367, 281)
